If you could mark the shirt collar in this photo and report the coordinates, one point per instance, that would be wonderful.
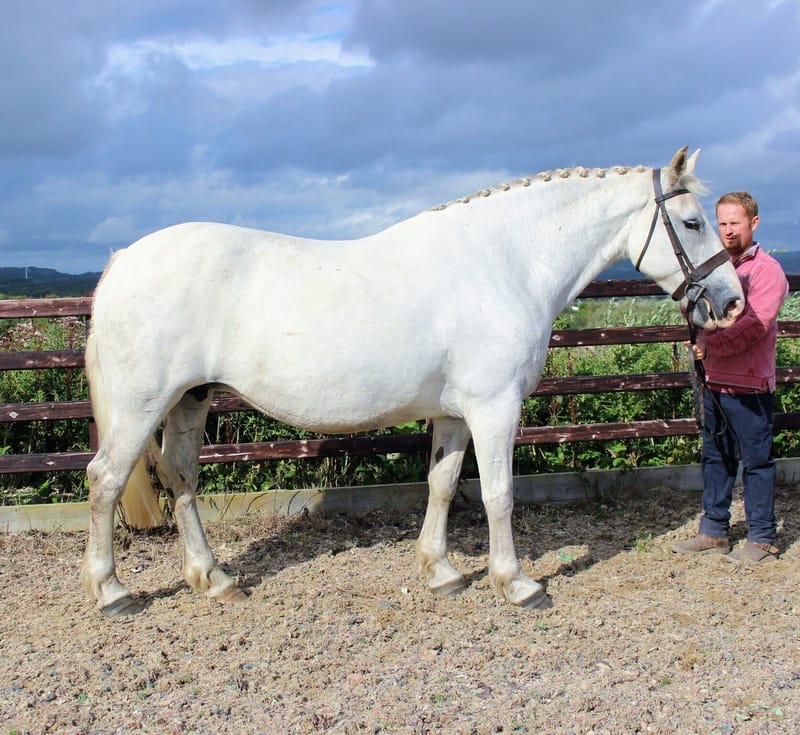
(748, 254)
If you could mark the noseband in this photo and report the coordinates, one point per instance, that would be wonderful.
(691, 286)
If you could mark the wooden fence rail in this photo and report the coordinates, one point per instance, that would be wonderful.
(384, 443)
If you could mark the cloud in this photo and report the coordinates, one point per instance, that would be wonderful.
(334, 118)
(207, 54)
(47, 103)
(113, 231)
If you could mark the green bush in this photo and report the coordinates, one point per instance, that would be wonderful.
(70, 384)
(38, 386)
(611, 407)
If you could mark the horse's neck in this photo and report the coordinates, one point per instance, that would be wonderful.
(596, 262)
(593, 222)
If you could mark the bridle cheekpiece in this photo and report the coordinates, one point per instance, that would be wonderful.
(692, 276)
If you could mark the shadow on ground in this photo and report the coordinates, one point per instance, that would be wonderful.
(602, 529)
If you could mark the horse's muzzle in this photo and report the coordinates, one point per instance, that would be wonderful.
(710, 309)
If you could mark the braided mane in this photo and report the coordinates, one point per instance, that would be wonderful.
(545, 176)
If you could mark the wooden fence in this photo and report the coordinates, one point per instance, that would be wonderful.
(377, 444)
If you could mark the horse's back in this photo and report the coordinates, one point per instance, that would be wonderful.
(195, 256)
(408, 323)
(275, 318)
(185, 257)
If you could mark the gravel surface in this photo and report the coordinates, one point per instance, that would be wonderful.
(339, 635)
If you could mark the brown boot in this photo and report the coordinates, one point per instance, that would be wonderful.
(754, 551)
(702, 544)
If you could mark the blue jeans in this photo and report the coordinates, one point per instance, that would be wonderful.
(738, 428)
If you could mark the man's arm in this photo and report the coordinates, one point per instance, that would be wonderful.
(767, 291)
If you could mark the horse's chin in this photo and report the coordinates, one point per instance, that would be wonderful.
(722, 323)
(704, 317)
(710, 324)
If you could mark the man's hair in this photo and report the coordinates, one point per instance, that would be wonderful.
(743, 199)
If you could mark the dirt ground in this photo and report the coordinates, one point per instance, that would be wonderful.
(339, 635)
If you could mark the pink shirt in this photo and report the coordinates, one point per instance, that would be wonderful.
(741, 358)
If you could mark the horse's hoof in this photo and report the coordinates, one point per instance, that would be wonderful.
(538, 601)
(450, 589)
(231, 596)
(123, 607)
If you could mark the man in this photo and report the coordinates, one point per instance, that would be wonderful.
(740, 383)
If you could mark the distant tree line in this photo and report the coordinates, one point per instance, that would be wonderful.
(40, 283)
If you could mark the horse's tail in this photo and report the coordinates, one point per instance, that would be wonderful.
(140, 507)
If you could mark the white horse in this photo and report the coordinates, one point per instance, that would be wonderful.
(446, 315)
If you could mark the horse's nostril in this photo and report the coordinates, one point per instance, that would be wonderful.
(732, 307)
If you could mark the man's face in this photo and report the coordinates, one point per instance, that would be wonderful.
(735, 228)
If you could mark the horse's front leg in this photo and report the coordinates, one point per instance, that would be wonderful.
(450, 439)
(493, 430)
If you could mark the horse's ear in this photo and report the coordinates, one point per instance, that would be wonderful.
(692, 162)
(679, 165)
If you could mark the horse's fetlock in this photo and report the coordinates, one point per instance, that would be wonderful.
(498, 585)
(424, 565)
(88, 583)
(196, 578)
(502, 580)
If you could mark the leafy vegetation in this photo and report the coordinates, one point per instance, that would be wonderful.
(39, 386)
(70, 384)
(611, 407)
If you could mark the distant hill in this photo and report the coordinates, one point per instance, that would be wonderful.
(35, 283)
(789, 259)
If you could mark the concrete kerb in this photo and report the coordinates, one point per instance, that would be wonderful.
(559, 488)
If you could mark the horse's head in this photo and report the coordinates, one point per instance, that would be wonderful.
(683, 253)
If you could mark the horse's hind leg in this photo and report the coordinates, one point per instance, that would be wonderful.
(108, 474)
(178, 471)
(450, 439)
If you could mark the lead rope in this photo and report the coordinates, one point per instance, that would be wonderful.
(699, 384)
(697, 374)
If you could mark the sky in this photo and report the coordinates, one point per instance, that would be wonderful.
(337, 118)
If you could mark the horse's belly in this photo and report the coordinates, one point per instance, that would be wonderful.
(327, 419)
(338, 392)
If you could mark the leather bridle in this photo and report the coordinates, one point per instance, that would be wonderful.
(691, 287)
(692, 276)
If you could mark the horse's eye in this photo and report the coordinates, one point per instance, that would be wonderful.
(691, 224)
